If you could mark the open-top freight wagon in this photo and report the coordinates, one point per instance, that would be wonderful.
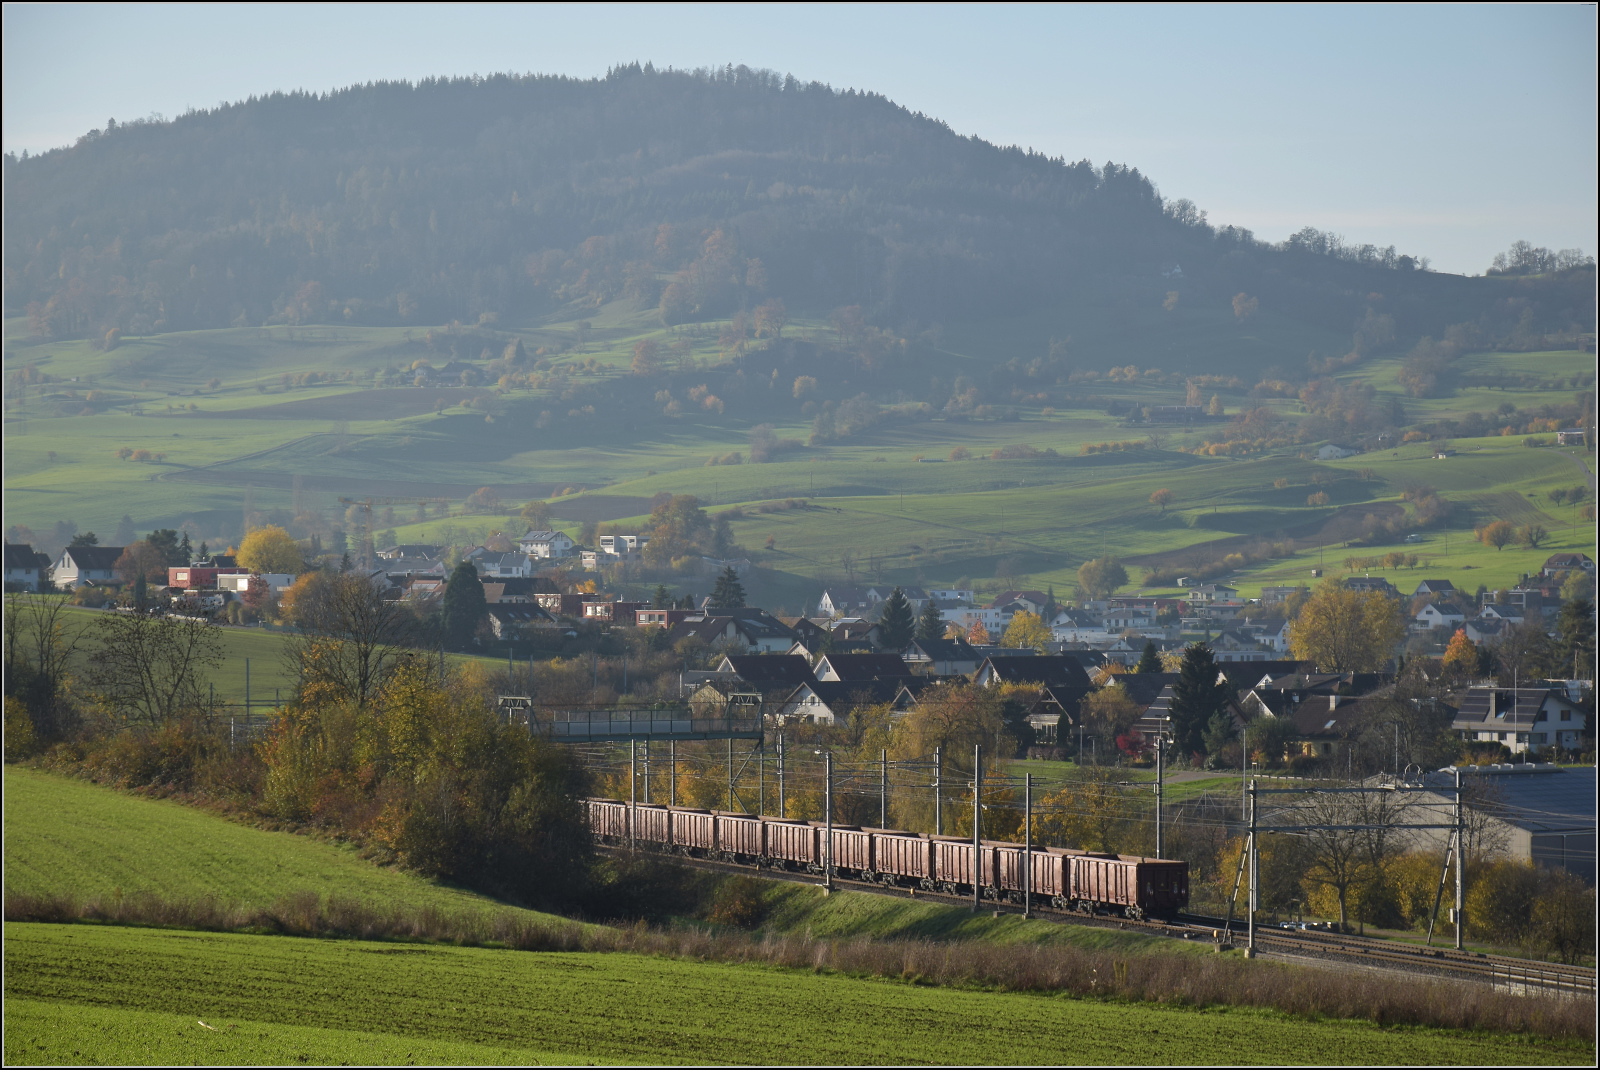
(1083, 881)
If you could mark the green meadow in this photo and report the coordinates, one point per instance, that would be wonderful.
(232, 427)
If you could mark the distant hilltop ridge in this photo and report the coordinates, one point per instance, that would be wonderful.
(688, 195)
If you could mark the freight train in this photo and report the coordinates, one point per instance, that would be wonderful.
(1088, 882)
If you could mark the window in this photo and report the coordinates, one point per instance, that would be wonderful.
(1540, 737)
(1566, 715)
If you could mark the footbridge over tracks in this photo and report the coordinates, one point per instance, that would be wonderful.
(739, 717)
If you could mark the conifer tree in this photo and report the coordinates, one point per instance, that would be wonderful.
(464, 604)
(930, 624)
(662, 599)
(896, 624)
(1150, 660)
(729, 592)
(1197, 697)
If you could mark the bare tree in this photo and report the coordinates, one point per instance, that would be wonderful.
(351, 638)
(147, 669)
(39, 650)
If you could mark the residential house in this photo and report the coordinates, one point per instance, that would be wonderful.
(1052, 670)
(661, 618)
(1484, 629)
(1079, 626)
(239, 582)
(523, 589)
(951, 594)
(510, 621)
(856, 668)
(1213, 592)
(1366, 584)
(546, 544)
(856, 633)
(81, 565)
(401, 567)
(1442, 588)
(1273, 595)
(1567, 563)
(1032, 601)
(1152, 693)
(563, 605)
(613, 612)
(826, 702)
(1439, 615)
(412, 549)
(807, 630)
(1234, 644)
(22, 567)
(1572, 436)
(1505, 613)
(194, 577)
(877, 596)
(774, 675)
(941, 657)
(1334, 452)
(1523, 718)
(490, 563)
(844, 602)
(623, 545)
(1443, 454)
(754, 631)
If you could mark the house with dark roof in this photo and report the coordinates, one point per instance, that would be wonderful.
(941, 657)
(827, 701)
(1525, 719)
(1568, 563)
(1542, 813)
(769, 673)
(855, 668)
(492, 563)
(1367, 584)
(22, 567)
(545, 543)
(510, 621)
(1051, 670)
(844, 602)
(752, 629)
(411, 549)
(1438, 587)
(1438, 615)
(81, 565)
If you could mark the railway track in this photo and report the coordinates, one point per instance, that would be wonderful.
(1522, 976)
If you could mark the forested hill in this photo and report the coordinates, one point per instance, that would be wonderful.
(693, 193)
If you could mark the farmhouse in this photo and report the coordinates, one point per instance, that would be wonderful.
(1524, 718)
(22, 567)
(545, 544)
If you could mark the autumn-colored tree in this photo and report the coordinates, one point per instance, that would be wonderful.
(141, 559)
(978, 635)
(1101, 576)
(1244, 306)
(644, 356)
(484, 500)
(537, 515)
(1109, 712)
(1215, 408)
(1341, 630)
(1498, 534)
(1320, 498)
(770, 317)
(1171, 301)
(1026, 630)
(1162, 498)
(271, 549)
(1460, 657)
(1532, 535)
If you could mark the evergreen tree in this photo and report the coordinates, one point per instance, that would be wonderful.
(896, 624)
(722, 537)
(185, 549)
(1149, 661)
(344, 562)
(464, 604)
(1576, 643)
(1050, 606)
(141, 593)
(205, 552)
(1197, 697)
(662, 599)
(729, 592)
(930, 624)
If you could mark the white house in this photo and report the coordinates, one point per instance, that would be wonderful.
(545, 544)
(239, 582)
(1332, 452)
(81, 565)
(1524, 718)
(1439, 615)
(500, 566)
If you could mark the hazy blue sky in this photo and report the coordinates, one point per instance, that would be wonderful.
(1447, 131)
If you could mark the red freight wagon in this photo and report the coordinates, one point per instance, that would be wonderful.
(738, 835)
(650, 823)
(1103, 880)
(792, 843)
(852, 848)
(954, 862)
(608, 820)
(901, 858)
(1050, 866)
(694, 830)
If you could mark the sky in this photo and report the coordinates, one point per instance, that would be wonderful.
(1447, 131)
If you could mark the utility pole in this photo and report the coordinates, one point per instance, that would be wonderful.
(827, 857)
(247, 695)
(977, 826)
(883, 791)
(1027, 845)
(633, 792)
(1250, 905)
(730, 774)
(672, 772)
(647, 772)
(938, 803)
(783, 801)
(1159, 842)
(761, 776)
(1461, 850)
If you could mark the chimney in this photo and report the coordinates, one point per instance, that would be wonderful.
(1333, 702)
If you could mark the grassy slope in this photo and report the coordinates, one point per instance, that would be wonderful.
(68, 837)
(929, 522)
(68, 988)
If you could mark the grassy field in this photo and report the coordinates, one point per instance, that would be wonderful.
(99, 994)
(69, 837)
(261, 439)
